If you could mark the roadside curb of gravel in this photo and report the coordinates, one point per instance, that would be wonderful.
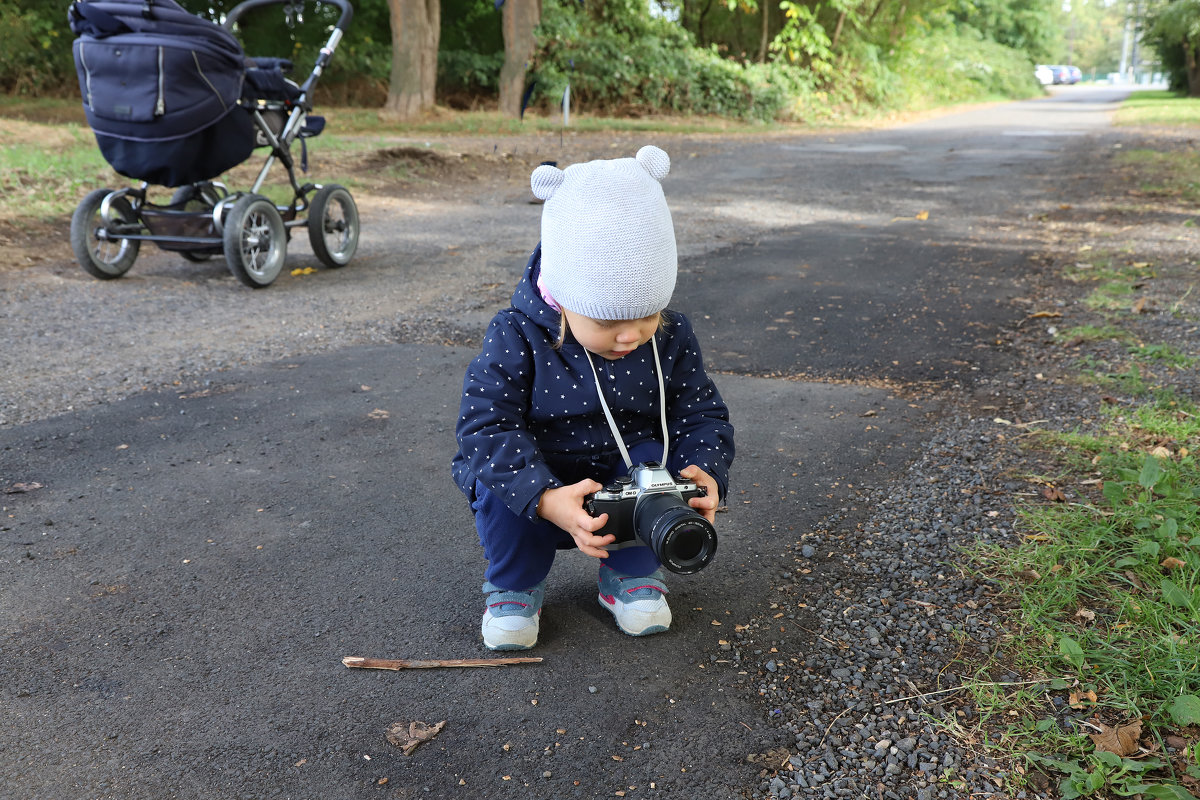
(887, 622)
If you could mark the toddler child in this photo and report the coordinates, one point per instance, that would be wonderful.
(586, 374)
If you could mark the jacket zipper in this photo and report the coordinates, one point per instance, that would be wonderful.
(160, 106)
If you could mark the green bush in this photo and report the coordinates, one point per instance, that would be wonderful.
(649, 65)
(36, 56)
(468, 71)
(944, 67)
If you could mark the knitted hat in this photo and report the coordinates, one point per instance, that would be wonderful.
(608, 244)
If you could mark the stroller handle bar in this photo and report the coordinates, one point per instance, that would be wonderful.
(241, 8)
(326, 53)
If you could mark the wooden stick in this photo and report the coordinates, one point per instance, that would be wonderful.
(398, 664)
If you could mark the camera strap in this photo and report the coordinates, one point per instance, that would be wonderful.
(662, 406)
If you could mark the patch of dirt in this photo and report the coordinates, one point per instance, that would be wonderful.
(50, 136)
(29, 243)
(450, 167)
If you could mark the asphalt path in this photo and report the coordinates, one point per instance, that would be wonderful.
(175, 602)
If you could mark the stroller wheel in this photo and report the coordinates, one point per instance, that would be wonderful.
(103, 258)
(255, 241)
(333, 225)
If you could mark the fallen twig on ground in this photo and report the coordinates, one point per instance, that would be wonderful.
(398, 664)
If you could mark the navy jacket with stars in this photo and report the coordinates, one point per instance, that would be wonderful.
(530, 418)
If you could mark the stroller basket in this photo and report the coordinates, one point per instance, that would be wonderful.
(166, 222)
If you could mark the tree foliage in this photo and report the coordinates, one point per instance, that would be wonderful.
(633, 63)
(751, 59)
(36, 56)
(1174, 31)
(1028, 26)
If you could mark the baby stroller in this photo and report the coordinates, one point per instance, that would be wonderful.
(173, 101)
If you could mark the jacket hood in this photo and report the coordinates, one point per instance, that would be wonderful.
(528, 299)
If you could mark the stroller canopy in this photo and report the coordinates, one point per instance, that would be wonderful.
(160, 89)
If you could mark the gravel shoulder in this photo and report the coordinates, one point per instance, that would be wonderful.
(888, 618)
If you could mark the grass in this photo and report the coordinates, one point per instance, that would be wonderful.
(1096, 333)
(1114, 285)
(1106, 586)
(1158, 108)
(1108, 598)
(45, 170)
(1163, 174)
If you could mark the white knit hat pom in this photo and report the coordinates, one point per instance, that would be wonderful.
(545, 180)
(655, 160)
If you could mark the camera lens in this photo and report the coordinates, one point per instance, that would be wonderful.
(682, 539)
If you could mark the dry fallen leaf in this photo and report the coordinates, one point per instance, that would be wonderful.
(1054, 493)
(1161, 452)
(378, 413)
(1086, 614)
(1171, 562)
(1122, 740)
(922, 215)
(1142, 305)
(408, 736)
(1076, 698)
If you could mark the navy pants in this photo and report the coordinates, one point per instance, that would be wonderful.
(520, 552)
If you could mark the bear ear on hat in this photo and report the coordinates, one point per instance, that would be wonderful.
(545, 180)
(655, 160)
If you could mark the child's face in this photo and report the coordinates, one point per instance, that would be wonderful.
(611, 339)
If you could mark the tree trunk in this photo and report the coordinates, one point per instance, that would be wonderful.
(877, 9)
(837, 32)
(898, 22)
(1191, 62)
(764, 40)
(519, 19)
(416, 25)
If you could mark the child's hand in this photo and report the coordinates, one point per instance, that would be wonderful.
(706, 505)
(564, 507)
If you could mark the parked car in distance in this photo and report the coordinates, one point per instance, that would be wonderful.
(1044, 75)
(1065, 74)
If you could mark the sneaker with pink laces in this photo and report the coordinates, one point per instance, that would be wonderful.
(638, 603)
(511, 619)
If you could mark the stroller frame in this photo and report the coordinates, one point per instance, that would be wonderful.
(204, 218)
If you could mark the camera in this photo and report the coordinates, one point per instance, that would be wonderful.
(652, 505)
